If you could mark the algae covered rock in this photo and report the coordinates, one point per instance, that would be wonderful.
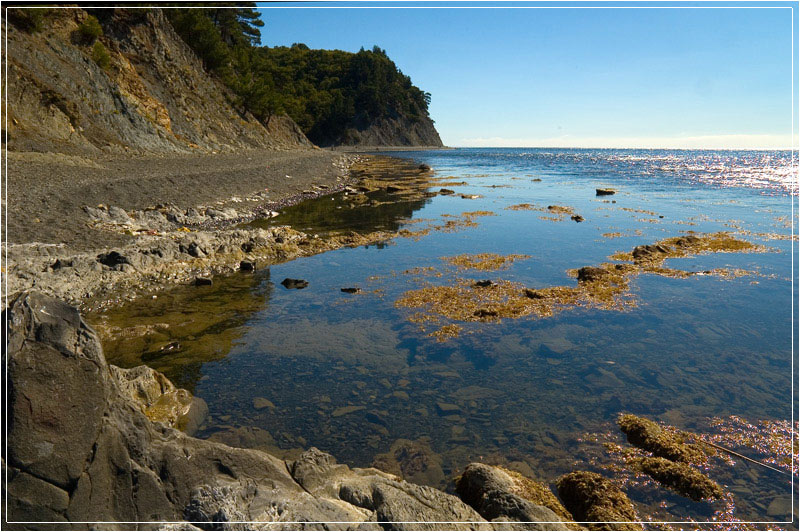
(414, 461)
(499, 494)
(682, 478)
(597, 501)
(649, 436)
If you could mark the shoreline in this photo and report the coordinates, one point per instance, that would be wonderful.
(134, 251)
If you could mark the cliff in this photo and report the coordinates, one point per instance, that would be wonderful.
(395, 131)
(136, 86)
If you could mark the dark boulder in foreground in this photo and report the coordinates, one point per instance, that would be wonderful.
(594, 499)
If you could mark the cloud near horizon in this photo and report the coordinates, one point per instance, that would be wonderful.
(729, 142)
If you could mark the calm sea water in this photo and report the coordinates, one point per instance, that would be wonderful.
(351, 374)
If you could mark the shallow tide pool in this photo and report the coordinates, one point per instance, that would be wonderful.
(370, 382)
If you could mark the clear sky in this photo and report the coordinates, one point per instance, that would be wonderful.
(718, 78)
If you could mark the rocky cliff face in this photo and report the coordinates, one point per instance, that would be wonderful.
(396, 131)
(152, 94)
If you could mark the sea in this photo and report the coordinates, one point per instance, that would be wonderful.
(371, 381)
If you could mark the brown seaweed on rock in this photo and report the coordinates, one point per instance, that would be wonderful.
(682, 478)
(597, 501)
(650, 436)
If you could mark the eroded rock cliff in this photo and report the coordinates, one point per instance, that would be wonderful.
(149, 92)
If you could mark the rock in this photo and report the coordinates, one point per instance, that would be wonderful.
(203, 281)
(589, 274)
(247, 266)
(446, 191)
(649, 436)
(605, 191)
(112, 259)
(577, 218)
(533, 294)
(118, 215)
(594, 499)
(649, 252)
(447, 408)
(344, 410)
(496, 493)
(352, 290)
(780, 507)
(294, 283)
(485, 313)
(260, 403)
(483, 284)
(424, 167)
(413, 461)
(682, 478)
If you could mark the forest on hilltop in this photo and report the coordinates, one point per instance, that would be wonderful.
(329, 93)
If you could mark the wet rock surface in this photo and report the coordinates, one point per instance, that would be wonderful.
(596, 501)
(682, 478)
(649, 436)
(501, 495)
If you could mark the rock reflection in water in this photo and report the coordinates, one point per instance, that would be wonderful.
(182, 328)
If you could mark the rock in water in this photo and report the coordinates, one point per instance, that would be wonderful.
(497, 493)
(649, 436)
(424, 167)
(589, 274)
(294, 283)
(352, 290)
(577, 218)
(605, 191)
(592, 498)
(682, 478)
(247, 266)
(203, 281)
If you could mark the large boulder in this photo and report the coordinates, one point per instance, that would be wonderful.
(498, 494)
(597, 501)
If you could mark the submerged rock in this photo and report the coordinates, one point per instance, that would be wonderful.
(351, 290)
(499, 494)
(577, 218)
(682, 478)
(605, 191)
(203, 281)
(296, 284)
(596, 500)
(413, 461)
(446, 191)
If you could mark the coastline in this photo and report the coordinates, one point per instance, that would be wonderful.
(133, 234)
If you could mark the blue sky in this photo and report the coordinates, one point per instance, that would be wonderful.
(577, 76)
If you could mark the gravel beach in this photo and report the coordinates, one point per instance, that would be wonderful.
(47, 192)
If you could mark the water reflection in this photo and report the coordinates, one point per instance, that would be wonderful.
(182, 328)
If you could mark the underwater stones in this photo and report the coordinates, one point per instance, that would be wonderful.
(605, 191)
(649, 436)
(596, 500)
(260, 403)
(682, 478)
(296, 284)
(591, 274)
(344, 410)
(412, 460)
(351, 290)
(446, 409)
(499, 494)
(203, 281)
